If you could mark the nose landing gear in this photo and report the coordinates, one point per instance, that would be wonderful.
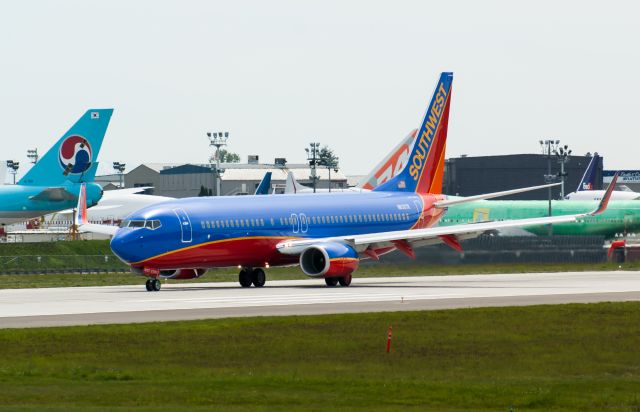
(249, 276)
(153, 285)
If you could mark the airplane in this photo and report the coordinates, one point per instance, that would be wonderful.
(53, 183)
(326, 234)
(585, 189)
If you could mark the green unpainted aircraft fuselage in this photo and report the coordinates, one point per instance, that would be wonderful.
(621, 217)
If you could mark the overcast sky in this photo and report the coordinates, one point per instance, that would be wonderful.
(355, 75)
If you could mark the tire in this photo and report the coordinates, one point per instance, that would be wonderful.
(148, 285)
(156, 285)
(258, 278)
(245, 278)
(345, 280)
(331, 282)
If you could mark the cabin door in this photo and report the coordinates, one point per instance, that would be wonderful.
(185, 225)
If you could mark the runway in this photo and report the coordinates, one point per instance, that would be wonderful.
(128, 304)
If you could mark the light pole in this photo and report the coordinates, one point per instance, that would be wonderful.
(13, 166)
(217, 140)
(549, 146)
(563, 154)
(33, 155)
(119, 168)
(312, 157)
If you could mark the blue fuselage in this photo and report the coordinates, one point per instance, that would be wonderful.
(229, 231)
(23, 202)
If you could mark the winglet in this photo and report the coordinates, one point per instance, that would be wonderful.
(607, 196)
(81, 212)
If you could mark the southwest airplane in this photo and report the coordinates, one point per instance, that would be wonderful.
(53, 183)
(327, 234)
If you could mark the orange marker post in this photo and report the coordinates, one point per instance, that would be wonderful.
(389, 340)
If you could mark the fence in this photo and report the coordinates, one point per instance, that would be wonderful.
(28, 264)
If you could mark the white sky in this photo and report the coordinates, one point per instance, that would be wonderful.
(355, 75)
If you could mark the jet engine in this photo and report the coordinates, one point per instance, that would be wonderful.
(329, 259)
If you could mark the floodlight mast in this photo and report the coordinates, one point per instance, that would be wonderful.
(217, 140)
(119, 168)
(13, 168)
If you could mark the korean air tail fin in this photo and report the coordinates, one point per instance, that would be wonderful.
(74, 157)
(588, 181)
(425, 167)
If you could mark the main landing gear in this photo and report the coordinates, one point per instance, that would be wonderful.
(255, 277)
(344, 281)
(153, 285)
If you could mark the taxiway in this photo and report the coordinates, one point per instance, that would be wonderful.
(126, 304)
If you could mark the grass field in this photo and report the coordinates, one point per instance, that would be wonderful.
(566, 357)
(231, 275)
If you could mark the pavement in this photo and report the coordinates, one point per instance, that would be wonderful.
(131, 304)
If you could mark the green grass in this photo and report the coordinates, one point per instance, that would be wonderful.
(565, 357)
(231, 275)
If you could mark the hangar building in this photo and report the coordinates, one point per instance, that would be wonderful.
(238, 178)
(467, 176)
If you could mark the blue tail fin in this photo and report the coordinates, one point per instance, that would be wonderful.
(588, 181)
(425, 167)
(73, 157)
(265, 184)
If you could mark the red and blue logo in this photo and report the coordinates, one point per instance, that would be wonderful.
(75, 154)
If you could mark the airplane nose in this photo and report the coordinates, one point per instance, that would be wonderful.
(122, 246)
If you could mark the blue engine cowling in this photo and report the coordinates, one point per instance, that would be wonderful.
(329, 259)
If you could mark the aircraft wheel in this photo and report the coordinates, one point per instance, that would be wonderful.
(148, 285)
(331, 282)
(245, 278)
(258, 277)
(156, 285)
(345, 280)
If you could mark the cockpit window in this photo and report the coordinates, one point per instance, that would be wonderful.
(149, 224)
(136, 223)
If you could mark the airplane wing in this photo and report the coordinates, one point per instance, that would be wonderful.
(404, 239)
(54, 194)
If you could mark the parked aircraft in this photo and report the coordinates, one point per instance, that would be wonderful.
(326, 234)
(586, 191)
(52, 184)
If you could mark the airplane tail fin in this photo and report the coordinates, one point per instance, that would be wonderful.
(588, 181)
(292, 186)
(265, 184)
(425, 167)
(81, 212)
(391, 165)
(73, 157)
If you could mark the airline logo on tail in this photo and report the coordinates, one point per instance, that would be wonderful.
(75, 155)
(427, 132)
(423, 173)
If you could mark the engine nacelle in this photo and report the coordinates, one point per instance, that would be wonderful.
(182, 273)
(330, 259)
